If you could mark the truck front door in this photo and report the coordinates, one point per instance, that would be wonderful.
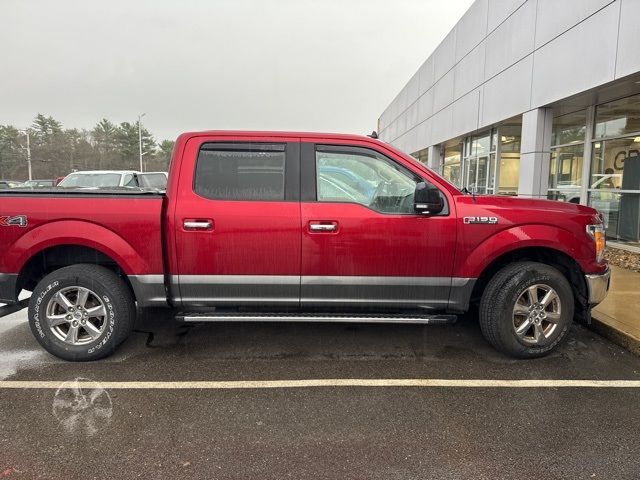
(237, 222)
(363, 244)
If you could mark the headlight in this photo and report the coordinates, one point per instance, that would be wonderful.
(597, 233)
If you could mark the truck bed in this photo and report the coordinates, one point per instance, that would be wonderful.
(123, 224)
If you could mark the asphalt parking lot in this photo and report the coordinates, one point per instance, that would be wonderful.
(68, 430)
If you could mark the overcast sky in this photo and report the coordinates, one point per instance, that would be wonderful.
(319, 65)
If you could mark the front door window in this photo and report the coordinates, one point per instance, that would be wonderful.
(363, 176)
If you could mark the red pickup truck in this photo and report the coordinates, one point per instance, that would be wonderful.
(274, 226)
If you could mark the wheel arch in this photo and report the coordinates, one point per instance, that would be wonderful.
(52, 258)
(566, 265)
(78, 233)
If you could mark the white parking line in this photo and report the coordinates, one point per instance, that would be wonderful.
(342, 382)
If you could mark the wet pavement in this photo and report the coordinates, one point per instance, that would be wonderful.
(619, 310)
(320, 432)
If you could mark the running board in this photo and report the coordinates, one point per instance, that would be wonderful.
(13, 308)
(315, 317)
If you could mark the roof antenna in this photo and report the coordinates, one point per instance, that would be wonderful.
(373, 134)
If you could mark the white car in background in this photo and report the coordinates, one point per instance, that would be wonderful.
(570, 192)
(153, 180)
(115, 179)
(100, 179)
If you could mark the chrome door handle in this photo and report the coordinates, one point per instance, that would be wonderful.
(323, 227)
(198, 224)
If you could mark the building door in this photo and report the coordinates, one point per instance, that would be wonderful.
(479, 162)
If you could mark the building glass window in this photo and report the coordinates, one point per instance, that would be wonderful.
(472, 162)
(618, 118)
(451, 160)
(478, 169)
(509, 168)
(567, 156)
(614, 185)
(422, 156)
(569, 128)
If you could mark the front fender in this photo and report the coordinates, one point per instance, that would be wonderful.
(478, 257)
(74, 232)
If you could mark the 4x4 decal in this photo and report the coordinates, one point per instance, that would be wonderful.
(15, 221)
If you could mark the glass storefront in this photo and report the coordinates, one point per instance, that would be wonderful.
(422, 156)
(451, 161)
(595, 155)
(509, 166)
(567, 156)
(471, 163)
(614, 186)
(478, 172)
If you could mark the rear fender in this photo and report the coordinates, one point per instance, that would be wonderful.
(73, 232)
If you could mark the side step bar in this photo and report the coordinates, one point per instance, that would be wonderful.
(315, 317)
(13, 308)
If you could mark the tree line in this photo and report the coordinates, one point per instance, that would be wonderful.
(57, 151)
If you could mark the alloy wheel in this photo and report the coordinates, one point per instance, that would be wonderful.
(536, 314)
(76, 315)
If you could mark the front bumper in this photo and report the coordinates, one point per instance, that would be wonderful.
(8, 283)
(598, 286)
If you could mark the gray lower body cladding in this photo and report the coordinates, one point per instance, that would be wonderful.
(307, 292)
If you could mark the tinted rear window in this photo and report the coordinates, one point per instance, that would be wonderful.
(241, 172)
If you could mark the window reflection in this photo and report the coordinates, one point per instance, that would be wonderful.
(565, 173)
(618, 118)
(422, 156)
(567, 157)
(479, 151)
(452, 155)
(614, 186)
(510, 136)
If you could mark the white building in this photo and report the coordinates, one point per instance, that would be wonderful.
(536, 98)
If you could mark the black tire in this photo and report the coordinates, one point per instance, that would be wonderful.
(107, 290)
(497, 320)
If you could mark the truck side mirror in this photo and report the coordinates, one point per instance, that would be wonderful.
(427, 199)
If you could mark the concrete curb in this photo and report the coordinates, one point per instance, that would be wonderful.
(600, 325)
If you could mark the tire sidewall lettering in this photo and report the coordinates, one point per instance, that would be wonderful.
(111, 318)
(50, 290)
(36, 309)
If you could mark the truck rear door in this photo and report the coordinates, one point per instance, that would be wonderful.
(237, 221)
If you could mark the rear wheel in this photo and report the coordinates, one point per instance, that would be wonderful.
(526, 309)
(81, 312)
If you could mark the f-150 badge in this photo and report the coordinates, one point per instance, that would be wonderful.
(15, 221)
(474, 220)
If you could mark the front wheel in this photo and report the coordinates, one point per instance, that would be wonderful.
(526, 309)
(81, 312)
